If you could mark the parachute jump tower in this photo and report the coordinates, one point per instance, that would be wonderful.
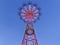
(29, 13)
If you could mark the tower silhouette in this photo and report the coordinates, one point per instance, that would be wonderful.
(29, 13)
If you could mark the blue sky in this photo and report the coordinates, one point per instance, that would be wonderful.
(47, 28)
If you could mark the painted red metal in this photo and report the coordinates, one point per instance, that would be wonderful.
(29, 14)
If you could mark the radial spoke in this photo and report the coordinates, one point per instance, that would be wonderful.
(23, 11)
(33, 8)
(37, 14)
(24, 18)
(36, 11)
(22, 14)
(30, 7)
(35, 17)
(25, 8)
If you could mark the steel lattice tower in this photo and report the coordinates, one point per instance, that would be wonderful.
(29, 13)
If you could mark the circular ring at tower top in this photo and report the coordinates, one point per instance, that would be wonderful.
(29, 13)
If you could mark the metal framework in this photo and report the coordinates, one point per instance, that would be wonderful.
(29, 36)
(29, 13)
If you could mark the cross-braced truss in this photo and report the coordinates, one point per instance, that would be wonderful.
(29, 36)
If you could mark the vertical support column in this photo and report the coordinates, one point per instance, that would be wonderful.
(29, 36)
